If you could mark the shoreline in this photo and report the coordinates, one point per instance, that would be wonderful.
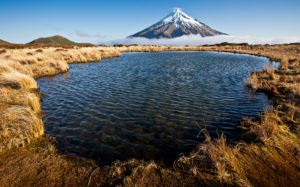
(220, 165)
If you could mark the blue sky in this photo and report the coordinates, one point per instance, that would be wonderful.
(102, 20)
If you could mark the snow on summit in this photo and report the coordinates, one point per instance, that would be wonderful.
(181, 19)
(177, 24)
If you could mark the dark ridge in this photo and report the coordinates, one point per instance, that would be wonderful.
(2, 42)
(57, 39)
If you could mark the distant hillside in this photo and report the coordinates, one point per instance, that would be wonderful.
(56, 40)
(2, 42)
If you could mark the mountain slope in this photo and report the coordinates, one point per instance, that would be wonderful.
(177, 24)
(56, 40)
(53, 40)
(2, 42)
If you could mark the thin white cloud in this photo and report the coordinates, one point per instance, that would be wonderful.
(195, 40)
(87, 35)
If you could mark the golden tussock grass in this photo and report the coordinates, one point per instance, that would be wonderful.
(252, 81)
(272, 161)
(16, 80)
(24, 97)
(296, 89)
(19, 124)
(270, 71)
(2, 51)
(41, 164)
(284, 64)
(19, 97)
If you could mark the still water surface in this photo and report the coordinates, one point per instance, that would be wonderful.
(149, 105)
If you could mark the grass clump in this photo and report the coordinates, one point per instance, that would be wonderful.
(270, 71)
(2, 51)
(274, 161)
(40, 164)
(16, 80)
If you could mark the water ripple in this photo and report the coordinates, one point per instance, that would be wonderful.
(149, 105)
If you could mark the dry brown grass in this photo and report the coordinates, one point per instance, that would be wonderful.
(270, 71)
(2, 51)
(16, 80)
(20, 118)
(296, 89)
(41, 164)
(274, 161)
(19, 125)
(252, 81)
(284, 64)
(20, 108)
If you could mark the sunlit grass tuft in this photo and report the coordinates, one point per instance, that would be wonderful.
(272, 162)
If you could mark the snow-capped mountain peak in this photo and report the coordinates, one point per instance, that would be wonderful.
(176, 24)
(180, 19)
